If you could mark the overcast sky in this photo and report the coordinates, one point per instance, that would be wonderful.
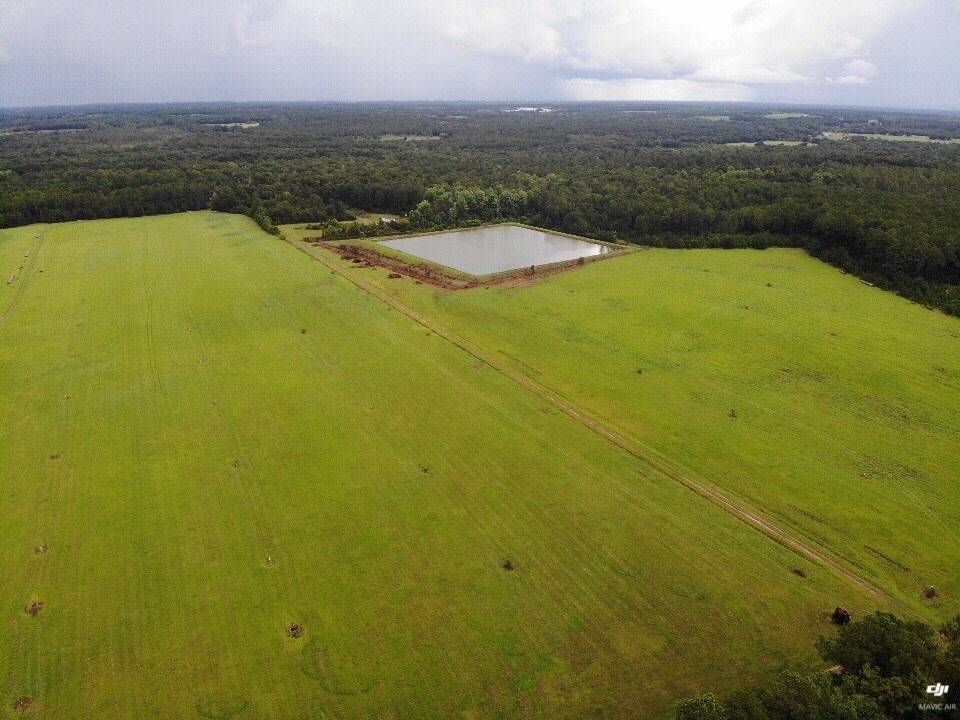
(900, 53)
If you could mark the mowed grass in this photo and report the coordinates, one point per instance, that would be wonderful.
(832, 406)
(215, 438)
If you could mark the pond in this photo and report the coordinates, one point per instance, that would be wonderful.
(482, 251)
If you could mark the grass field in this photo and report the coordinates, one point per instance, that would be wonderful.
(831, 406)
(209, 438)
(890, 138)
(243, 125)
(788, 143)
(299, 231)
(410, 138)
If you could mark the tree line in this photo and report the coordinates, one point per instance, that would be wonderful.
(655, 174)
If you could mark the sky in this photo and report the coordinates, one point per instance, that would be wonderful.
(890, 53)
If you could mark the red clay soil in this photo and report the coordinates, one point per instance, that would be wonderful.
(366, 256)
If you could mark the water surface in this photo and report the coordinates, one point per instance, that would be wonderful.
(483, 251)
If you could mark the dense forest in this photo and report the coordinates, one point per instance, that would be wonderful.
(844, 187)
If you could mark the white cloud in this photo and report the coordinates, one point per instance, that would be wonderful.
(855, 72)
(666, 90)
(731, 41)
(347, 49)
(253, 26)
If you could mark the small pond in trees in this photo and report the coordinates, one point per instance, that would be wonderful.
(482, 251)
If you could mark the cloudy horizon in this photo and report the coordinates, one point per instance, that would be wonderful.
(889, 53)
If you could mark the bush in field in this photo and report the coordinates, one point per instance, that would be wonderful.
(702, 707)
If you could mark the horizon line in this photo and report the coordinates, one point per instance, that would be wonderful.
(525, 102)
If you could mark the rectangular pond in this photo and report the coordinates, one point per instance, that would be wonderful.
(482, 251)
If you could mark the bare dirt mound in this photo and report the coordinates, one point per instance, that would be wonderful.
(34, 608)
(22, 704)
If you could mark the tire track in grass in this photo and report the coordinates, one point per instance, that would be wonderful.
(294, 313)
(547, 587)
(522, 517)
(57, 490)
(550, 587)
(157, 406)
(617, 490)
(741, 511)
(28, 273)
(51, 490)
(516, 533)
(496, 540)
(579, 574)
(287, 582)
(482, 528)
(440, 645)
(148, 296)
(704, 379)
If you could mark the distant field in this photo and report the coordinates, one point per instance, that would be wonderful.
(891, 138)
(299, 231)
(370, 218)
(234, 124)
(42, 132)
(832, 406)
(790, 143)
(209, 438)
(714, 118)
(785, 115)
(411, 138)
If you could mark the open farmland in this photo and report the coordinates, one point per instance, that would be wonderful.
(240, 487)
(830, 406)
(881, 136)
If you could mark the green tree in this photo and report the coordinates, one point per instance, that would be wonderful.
(702, 707)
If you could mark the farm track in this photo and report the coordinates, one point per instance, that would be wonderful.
(28, 273)
(151, 334)
(731, 505)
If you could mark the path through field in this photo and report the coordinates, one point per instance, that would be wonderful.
(751, 516)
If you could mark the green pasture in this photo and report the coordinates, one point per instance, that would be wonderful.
(786, 143)
(209, 439)
(829, 405)
(889, 138)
